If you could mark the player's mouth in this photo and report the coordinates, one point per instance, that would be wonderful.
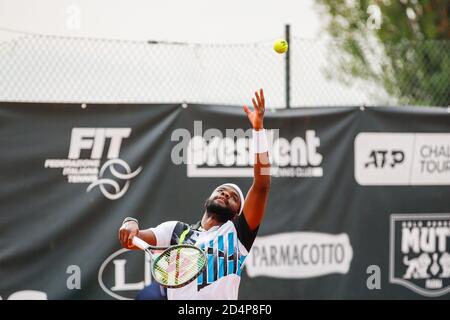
(222, 200)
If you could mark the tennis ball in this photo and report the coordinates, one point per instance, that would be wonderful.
(280, 46)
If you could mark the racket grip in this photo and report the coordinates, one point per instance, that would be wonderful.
(141, 244)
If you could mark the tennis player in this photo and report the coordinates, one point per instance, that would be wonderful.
(227, 229)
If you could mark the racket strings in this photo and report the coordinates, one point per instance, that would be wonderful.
(177, 266)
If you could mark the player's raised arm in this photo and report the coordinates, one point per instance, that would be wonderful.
(255, 202)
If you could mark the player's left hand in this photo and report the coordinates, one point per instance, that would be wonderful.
(257, 115)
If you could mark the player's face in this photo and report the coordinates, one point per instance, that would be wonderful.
(224, 203)
(226, 196)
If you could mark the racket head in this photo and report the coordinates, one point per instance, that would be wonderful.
(178, 265)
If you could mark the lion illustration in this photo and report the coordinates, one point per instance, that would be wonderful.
(417, 267)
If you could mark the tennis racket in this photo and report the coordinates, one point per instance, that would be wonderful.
(174, 266)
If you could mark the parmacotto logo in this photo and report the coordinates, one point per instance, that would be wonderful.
(84, 162)
(296, 255)
(402, 158)
(215, 154)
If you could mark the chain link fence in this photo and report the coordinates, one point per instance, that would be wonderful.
(41, 68)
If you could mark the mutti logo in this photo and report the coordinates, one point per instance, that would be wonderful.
(214, 154)
(402, 158)
(86, 151)
(419, 253)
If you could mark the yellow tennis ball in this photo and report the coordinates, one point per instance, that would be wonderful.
(280, 46)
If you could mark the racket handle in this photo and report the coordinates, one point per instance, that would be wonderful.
(141, 244)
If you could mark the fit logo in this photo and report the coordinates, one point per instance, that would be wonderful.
(94, 158)
(94, 139)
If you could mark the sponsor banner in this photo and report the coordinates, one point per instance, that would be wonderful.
(92, 169)
(298, 255)
(70, 175)
(117, 281)
(402, 158)
(27, 295)
(420, 253)
(228, 153)
(431, 155)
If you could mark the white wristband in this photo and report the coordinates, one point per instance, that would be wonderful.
(260, 141)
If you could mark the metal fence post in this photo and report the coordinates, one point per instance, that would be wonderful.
(288, 66)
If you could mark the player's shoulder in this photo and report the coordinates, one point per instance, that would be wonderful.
(181, 231)
(244, 233)
(175, 225)
(239, 220)
(168, 224)
(180, 226)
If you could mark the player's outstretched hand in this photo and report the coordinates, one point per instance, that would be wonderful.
(257, 115)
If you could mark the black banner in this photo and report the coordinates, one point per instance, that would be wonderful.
(358, 204)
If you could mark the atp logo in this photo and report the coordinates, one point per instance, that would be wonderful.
(405, 158)
(86, 150)
(383, 158)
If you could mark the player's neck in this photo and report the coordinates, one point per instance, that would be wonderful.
(209, 221)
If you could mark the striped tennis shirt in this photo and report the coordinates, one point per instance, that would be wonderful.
(226, 247)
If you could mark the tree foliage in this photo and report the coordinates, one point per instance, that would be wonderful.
(407, 52)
